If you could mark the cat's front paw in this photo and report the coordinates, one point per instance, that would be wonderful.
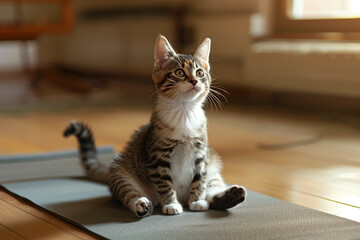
(143, 207)
(172, 209)
(200, 205)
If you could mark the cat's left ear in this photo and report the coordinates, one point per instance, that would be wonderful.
(162, 51)
(203, 52)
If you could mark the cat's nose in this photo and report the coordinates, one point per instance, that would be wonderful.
(193, 82)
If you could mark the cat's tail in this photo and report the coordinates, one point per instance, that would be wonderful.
(87, 151)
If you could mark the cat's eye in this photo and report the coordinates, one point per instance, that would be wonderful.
(199, 73)
(180, 73)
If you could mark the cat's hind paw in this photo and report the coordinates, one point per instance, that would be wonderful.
(143, 207)
(229, 198)
(200, 205)
(172, 209)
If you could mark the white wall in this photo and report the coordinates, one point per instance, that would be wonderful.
(11, 55)
(305, 66)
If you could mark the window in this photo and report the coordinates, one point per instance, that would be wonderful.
(321, 16)
(324, 9)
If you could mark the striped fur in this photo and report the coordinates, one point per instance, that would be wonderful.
(167, 162)
(87, 151)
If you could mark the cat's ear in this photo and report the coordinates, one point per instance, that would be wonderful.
(162, 51)
(203, 52)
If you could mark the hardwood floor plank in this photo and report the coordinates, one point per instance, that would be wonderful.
(22, 219)
(294, 196)
(291, 176)
(6, 233)
(28, 225)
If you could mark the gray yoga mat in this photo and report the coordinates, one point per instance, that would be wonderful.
(59, 186)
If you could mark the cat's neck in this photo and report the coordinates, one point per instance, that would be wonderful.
(184, 119)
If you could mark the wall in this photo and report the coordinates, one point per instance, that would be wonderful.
(330, 68)
(106, 44)
(300, 65)
(126, 43)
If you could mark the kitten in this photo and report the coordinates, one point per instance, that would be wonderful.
(167, 162)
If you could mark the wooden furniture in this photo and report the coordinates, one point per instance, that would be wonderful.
(20, 30)
(26, 31)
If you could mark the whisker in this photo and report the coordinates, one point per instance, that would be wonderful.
(220, 89)
(218, 93)
(216, 100)
(213, 102)
(209, 99)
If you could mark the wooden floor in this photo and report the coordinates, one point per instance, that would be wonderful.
(310, 160)
(21, 220)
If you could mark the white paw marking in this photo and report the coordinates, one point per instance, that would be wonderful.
(172, 209)
(140, 203)
(143, 207)
(200, 205)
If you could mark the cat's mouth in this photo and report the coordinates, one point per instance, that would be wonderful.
(195, 89)
(193, 92)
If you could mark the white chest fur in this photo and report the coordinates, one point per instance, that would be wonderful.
(186, 119)
(182, 171)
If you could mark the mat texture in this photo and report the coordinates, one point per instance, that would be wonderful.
(55, 182)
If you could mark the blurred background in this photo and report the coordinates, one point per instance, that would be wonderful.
(290, 128)
(260, 48)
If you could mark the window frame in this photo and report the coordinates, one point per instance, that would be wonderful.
(307, 27)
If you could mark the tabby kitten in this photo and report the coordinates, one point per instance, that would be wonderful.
(167, 162)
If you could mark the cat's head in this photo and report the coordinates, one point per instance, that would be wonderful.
(181, 77)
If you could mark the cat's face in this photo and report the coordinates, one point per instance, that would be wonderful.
(180, 76)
